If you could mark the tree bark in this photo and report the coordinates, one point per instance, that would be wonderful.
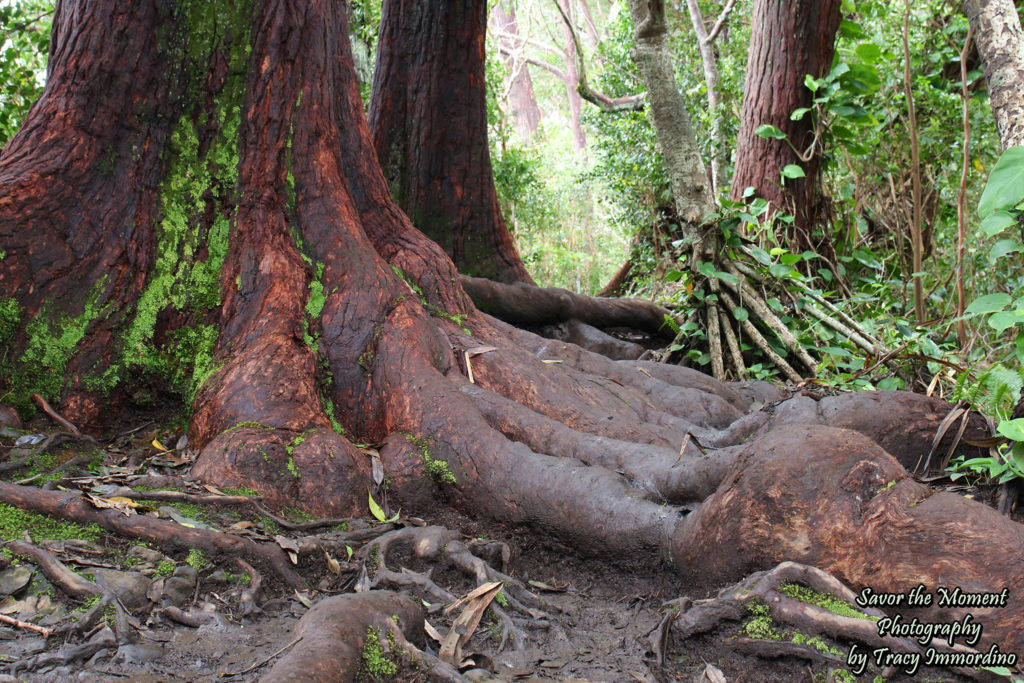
(76, 254)
(572, 76)
(789, 40)
(429, 123)
(525, 112)
(691, 186)
(997, 30)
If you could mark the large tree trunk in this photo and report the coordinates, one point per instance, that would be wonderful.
(77, 254)
(997, 31)
(789, 40)
(320, 340)
(429, 124)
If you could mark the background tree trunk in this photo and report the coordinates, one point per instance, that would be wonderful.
(525, 112)
(789, 40)
(429, 125)
(572, 77)
(691, 186)
(997, 31)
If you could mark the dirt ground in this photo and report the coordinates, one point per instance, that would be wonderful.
(602, 623)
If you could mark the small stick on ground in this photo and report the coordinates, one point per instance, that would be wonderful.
(17, 623)
(55, 416)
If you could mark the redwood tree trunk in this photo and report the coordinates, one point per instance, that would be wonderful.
(789, 40)
(77, 254)
(429, 121)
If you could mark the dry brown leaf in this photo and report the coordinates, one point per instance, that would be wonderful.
(332, 564)
(477, 350)
(431, 631)
(376, 466)
(465, 624)
(714, 674)
(290, 547)
(119, 504)
(238, 526)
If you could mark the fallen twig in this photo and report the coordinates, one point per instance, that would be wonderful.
(55, 416)
(262, 662)
(18, 623)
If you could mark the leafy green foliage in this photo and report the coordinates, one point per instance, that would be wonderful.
(24, 44)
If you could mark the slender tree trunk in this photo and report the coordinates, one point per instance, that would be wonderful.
(691, 186)
(997, 30)
(572, 77)
(429, 123)
(525, 112)
(709, 61)
(790, 39)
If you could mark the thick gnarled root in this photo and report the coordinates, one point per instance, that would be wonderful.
(780, 605)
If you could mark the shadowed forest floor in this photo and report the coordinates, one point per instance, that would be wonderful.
(601, 624)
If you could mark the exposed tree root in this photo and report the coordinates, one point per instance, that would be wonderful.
(73, 507)
(334, 632)
(53, 569)
(435, 543)
(534, 306)
(841, 620)
(67, 654)
(834, 499)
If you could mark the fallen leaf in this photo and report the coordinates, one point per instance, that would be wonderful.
(290, 547)
(465, 624)
(375, 509)
(431, 631)
(363, 584)
(304, 599)
(714, 674)
(159, 446)
(333, 565)
(238, 526)
(112, 504)
(376, 466)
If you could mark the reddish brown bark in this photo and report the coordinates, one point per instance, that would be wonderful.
(429, 123)
(71, 244)
(788, 41)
